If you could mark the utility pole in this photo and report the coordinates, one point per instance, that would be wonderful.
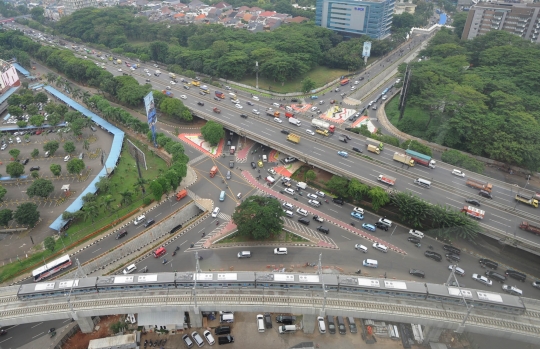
(257, 74)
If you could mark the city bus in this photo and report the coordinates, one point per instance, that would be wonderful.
(51, 268)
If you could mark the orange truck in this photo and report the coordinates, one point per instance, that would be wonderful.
(181, 194)
(213, 171)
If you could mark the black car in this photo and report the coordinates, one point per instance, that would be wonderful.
(294, 99)
(249, 103)
(341, 325)
(473, 202)
(417, 272)
(225, 339)
(358, 150)
(413, 239)
(331, 324)
(243, 116)
(338, 201)
(496, 276)
(147, 80)
(303, 220)
(485, 194)
(267, 320)
(323, 229)
(222, 330)
(361, 78)
(488, 263)
(452, 249)
(25, 161)
(149, 223)
(285, 319)
(217, 99)
(433, 255)
(200, 103)
(381, 226)
(175, 229)
(34, 168)
(271, 196)
(50, 131)
(121, 235)
(253, 165)
(516, 275)
(285, 132)
(453, 257)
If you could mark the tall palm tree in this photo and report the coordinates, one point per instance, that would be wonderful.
(50, 77)
(67, 86)
(85, 96)
(90, 211)
(127, 197)
(107, 201)
(76, 93)
(140, 183)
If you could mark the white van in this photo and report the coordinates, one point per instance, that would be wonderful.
(416, 233)
(129, 269)
(386, 222)
(301, 185)
(226, 318)
(287, 329)
(270, 179)
(288, 213)
(372, 263)
(260, 323)
(265, 158)
(423, 183)
(215, 212)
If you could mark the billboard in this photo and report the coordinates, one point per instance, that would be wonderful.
(9, 77)
(366, 52)
(151, 115)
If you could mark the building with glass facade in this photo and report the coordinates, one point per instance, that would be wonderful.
(352, 18)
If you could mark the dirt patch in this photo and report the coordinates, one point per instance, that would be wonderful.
(81, 340)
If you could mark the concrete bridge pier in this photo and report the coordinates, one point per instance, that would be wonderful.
(432, 334)
(309, 321)
(195, 318)
(86, 324)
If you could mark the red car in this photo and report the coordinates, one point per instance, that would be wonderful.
(332, 101)
(38, 132)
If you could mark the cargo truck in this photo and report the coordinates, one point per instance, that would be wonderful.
(421, 159)
(473, 183)
(181, 194)
(387, 179)
(375, 142)
(118, 61)
(322, 132)
(474, 212)
(530, 228)
(195, 83)
(220, 94)
(289, 115)
(295, 121)
(531, 201)
(274, 114)
(293, 138)
(404, 159)
(172, 75)
(213, 171)
(373, 149)
(323, 125)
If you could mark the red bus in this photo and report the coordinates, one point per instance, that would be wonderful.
(159, 252)
(344, 82)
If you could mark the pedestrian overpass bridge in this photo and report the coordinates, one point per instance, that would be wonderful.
(433, 316)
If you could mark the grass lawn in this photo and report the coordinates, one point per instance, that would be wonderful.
(285, 236)
(320, 75)
(124, 177)
(414, 120)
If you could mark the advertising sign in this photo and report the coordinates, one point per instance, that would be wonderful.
(151, 115)
(9, 77)
(366, 52)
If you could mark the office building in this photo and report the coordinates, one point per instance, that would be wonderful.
(516, 18)
(71, 6)
(352, 18)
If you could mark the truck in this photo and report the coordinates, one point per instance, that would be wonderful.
(473, 183)
(322, 132)
(530, 228)
(375, 142)
(172, 75)
(181, 194)
(158, 73)
(474, 212)
(213, 171)
(293, 138)
(271, 113)
(118, 61)
(386, 179)
(289, 115)
(421, 159)
(216, 110)
(404, 159)
(531, 201)
(196, 83)
(295, 121)
(134, 66)
(167, 93)
(323, 125)
(232, 150)
(373, 149)
(205, 89)
(220, 94)
(342, 139)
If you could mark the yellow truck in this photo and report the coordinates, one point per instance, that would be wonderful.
(322, 132)
(404, 159)
(196, 83)
(373, 149)
(293, 138)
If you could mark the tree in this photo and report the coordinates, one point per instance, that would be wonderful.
(259, 217)
(41, 97)
(140, 183)
(49, 243)
(51, 147)
(37, 14)
(22, 123)
(127, 197)
(15, 100)
(307, 85)
(35, 174)
(27, 214)
(90, 210)
(379, 197)
(14, 153)
(40, 187)
(103, 185)
(6, 215)
(34, 154)
(412, 209)
(357, 190)
(212, 132)
(75, 166)
(69, 147)
(310, 175)
(3, 192)
(157, 190)
(36, 120)
(55, 169)
(15, 110)
(54, 119)
(338, 185)
(32, 109)
(106, 201)
(15, 169)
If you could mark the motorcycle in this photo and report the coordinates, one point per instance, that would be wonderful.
(326, 201)
(203, 234)
(352, 223)
(200, 258)
(164, 261)
(418, 245)
(174, 253)
(430, 247)
(217, 222)
(358, 271)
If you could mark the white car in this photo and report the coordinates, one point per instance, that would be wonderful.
(458, 173)
(278, 120)
(310, 132)
(67, 158)
(4, 146)
(148, 74)
(302, 212)
(280, 250)
(146, 70)
(183, 96)
(139, 219)
(131, 68)
(275, 105)
(512, 290)
(238, 106)
(459, 271)
(322, 325)
(359, 210)
(172, 82)
(18, 139)
(320, 193)
(314, 109)
(356, 82)
(209, 338)
(398, 81)
(255, 98)
(318, 219)
(482, 279)
(361, 248)
(256, 112)
(312, 196)
(197, 338)
(215, 212)
(289, 191)
(380, 247)
(119, 69)
(272, 172)
(384, 98)
(353, 88)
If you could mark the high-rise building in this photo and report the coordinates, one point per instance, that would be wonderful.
(352, 18)
(71, 6)
(516, 18)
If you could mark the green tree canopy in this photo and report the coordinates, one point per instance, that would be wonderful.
(6, 215)
(27, 214)
(69, 147)
(49, 243)
(259, 217)
(40, 187)
(55, 169)
(14, 153)
(15, 169)
(75, 166)
(212, 132)
(51, 147)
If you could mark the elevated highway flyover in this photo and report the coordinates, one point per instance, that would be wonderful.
(434, 316)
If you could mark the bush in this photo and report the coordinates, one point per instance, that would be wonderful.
(147, 201)
(455, 157)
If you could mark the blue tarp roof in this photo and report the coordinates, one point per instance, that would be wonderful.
(110, 163)
(21, 69)
(442, 19)
(8, 93)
